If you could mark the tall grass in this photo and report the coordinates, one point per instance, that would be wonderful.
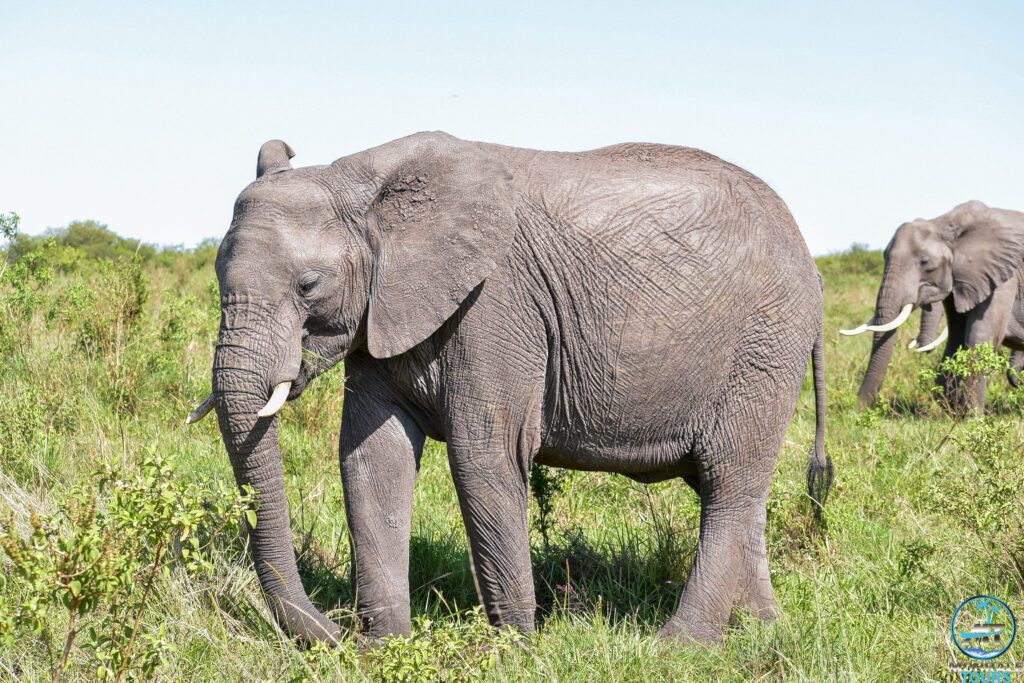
(102, 360)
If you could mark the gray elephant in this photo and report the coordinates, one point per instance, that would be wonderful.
(968, 264)
(641, 309)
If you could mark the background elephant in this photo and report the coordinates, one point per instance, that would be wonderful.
(971, 262)
(641, 309)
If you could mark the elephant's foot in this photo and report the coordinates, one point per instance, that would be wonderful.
(379, 623)
(368, 643)
(758, 604)
(865, 401)
(690, 630)
(515, 618)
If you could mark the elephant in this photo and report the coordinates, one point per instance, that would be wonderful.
(967, 263)
(640, 308)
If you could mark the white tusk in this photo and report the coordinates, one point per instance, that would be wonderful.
(277, 400)
(900, 319)
(912, 344)
(856, 330)
(941, 338)
(199, 413)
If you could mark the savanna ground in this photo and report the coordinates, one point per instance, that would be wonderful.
(106, 346)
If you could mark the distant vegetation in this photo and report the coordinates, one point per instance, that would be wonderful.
(120, 556)
(83, 241)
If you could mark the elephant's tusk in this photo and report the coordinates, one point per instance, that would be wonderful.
(912, 344)
(856, 330)
(941, 338)
(900, 319)
(277, 400)
(199, 413)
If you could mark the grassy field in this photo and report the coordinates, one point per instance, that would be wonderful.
(101, 363)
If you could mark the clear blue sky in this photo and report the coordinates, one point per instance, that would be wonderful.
(148, 116)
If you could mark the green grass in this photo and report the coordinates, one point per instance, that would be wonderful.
(912, 528)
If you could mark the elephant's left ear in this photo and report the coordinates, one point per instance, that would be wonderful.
(441, 221)
(986, 253)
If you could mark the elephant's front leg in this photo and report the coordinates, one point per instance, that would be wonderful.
(380, 451)
(986, 323)
(1013, 373)
(490, 466)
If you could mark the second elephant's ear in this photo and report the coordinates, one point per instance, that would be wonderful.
(440, 222)
(987, 251)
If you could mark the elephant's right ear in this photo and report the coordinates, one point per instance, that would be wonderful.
(275, 156)
(440, 222)
(987, 250)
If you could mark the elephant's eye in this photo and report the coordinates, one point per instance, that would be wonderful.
(926, 261)
(308, 282)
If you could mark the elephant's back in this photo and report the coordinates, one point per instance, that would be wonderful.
(663, 218)
(660, 197)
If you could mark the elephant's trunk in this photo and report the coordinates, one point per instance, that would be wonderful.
(240, 389)
(887, 308)
(881, 354)
(931, 316)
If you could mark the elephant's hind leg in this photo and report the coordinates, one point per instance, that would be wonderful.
(730, 566)
(756, 595)
(735, 469)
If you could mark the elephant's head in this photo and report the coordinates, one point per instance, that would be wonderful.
(963, 254)
(374, 251)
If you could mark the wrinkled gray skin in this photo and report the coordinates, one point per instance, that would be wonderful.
(641, 309)
(969, 264)
(931, 316)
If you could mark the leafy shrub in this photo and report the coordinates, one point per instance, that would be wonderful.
(981, 490)
(459, 648)
(545, 484)
(958, 374)
(103, 554)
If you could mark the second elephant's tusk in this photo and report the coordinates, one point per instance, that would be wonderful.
(277, 399)
(912, 344)
(899, 320)
(202, 411)
(941, 338)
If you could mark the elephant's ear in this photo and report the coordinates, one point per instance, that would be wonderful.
(987, 251)
(441, 221)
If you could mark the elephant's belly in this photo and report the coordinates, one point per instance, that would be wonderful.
(648, 462)
(648, 430)
(634, 412)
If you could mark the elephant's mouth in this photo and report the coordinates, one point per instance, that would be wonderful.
(300, 383)
(930, 294)
(322, 349)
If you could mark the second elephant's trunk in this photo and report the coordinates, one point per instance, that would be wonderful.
(931, 316)
(881, 354)
(886, 309)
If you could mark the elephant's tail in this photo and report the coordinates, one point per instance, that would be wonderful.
(820, 472)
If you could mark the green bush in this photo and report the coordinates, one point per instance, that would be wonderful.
(101, 556)
(981, 490)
